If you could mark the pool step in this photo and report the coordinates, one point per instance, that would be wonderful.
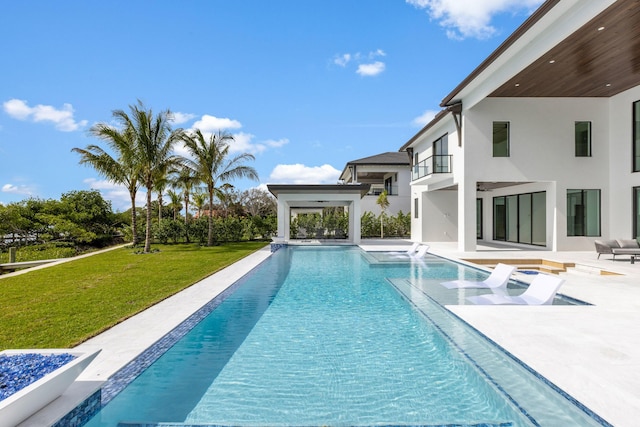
(589, 270)
(541, 265)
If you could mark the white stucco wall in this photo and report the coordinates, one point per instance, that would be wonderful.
(542, 148)
(397, 202)
(622, 179)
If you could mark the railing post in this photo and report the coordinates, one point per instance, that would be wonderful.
(12, 255)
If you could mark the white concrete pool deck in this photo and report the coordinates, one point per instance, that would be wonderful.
(591, 352)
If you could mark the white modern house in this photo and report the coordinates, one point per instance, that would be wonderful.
(386, 171)
(540, 145)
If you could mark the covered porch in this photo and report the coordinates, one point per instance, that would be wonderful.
(305, 196)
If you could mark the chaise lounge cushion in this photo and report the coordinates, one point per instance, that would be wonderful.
(628, 243)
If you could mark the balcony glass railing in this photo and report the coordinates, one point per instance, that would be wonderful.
(376, 190)
(431, 165)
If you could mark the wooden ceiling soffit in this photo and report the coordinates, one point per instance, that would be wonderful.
(601, 59)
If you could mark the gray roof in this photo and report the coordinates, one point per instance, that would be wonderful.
(389, 158)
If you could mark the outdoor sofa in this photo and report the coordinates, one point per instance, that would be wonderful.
(618, 247)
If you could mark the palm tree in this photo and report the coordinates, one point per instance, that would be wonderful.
(199, 201)
(160, 184)
(123, 168)
(185, 179)
(154, 148)
(383, 202)
(211, 165)
(176, 203)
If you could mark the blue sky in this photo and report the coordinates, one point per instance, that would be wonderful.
(305, 86)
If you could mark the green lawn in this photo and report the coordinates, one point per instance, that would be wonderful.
(64, 305)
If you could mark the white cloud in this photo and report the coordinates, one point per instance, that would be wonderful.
(242, 144)
(179, 118)
(471, 18)
(62, 118)
(116, 193)
(342, 60)
(301, 174)
(214, 124)
(276, 144)
(364, 65)
(18, 189)
(371, 69)
(425, 118)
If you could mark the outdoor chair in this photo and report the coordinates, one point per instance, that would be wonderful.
(497, 280)
(618, 247)
(421, 252)
(606, 247)
(412, 250)
(541, 291)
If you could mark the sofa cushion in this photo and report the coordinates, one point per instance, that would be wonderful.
(628, 243)
(609, 243)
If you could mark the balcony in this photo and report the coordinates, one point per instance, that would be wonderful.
(431, 165)
(377, 190)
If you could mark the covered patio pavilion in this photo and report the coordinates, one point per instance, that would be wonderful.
(304, 196)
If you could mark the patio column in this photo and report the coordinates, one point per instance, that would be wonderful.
(284, 219)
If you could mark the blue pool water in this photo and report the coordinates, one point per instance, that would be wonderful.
(319, 336)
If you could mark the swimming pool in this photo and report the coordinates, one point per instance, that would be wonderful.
(336, 336)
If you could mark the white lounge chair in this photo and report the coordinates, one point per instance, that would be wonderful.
(497, 280)
(412, 250)
(420, 252)
(541, 291)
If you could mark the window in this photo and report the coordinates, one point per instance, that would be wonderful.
(636, 136)
(583, 213)
(388, 185)
(583, 139)
(636, 212)
(479, 219)
(415, 208)
(500, 139)
(441, 155)
(521, 218)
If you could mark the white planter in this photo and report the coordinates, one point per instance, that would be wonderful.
(35, 396)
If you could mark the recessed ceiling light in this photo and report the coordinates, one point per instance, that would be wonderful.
(608, 85)
(552, 61)
(517, 84)
(600, 28)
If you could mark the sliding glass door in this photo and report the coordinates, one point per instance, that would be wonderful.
(521, 218)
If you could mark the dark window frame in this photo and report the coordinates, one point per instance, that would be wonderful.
(635, 142)
(578, 144)
(494, 144)
(584, 232)
(505, 218)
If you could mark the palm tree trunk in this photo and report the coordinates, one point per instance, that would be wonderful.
(159, 207)
(186, 216)
(147, 240)
(210, 237)
(134, 219)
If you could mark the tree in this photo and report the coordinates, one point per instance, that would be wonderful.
(122, 168)
(213, 168)
(154, 140)
(185, 179)
(383, 202)
(259, 202)
(160, 184)
(199, 201)
(176, 203)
